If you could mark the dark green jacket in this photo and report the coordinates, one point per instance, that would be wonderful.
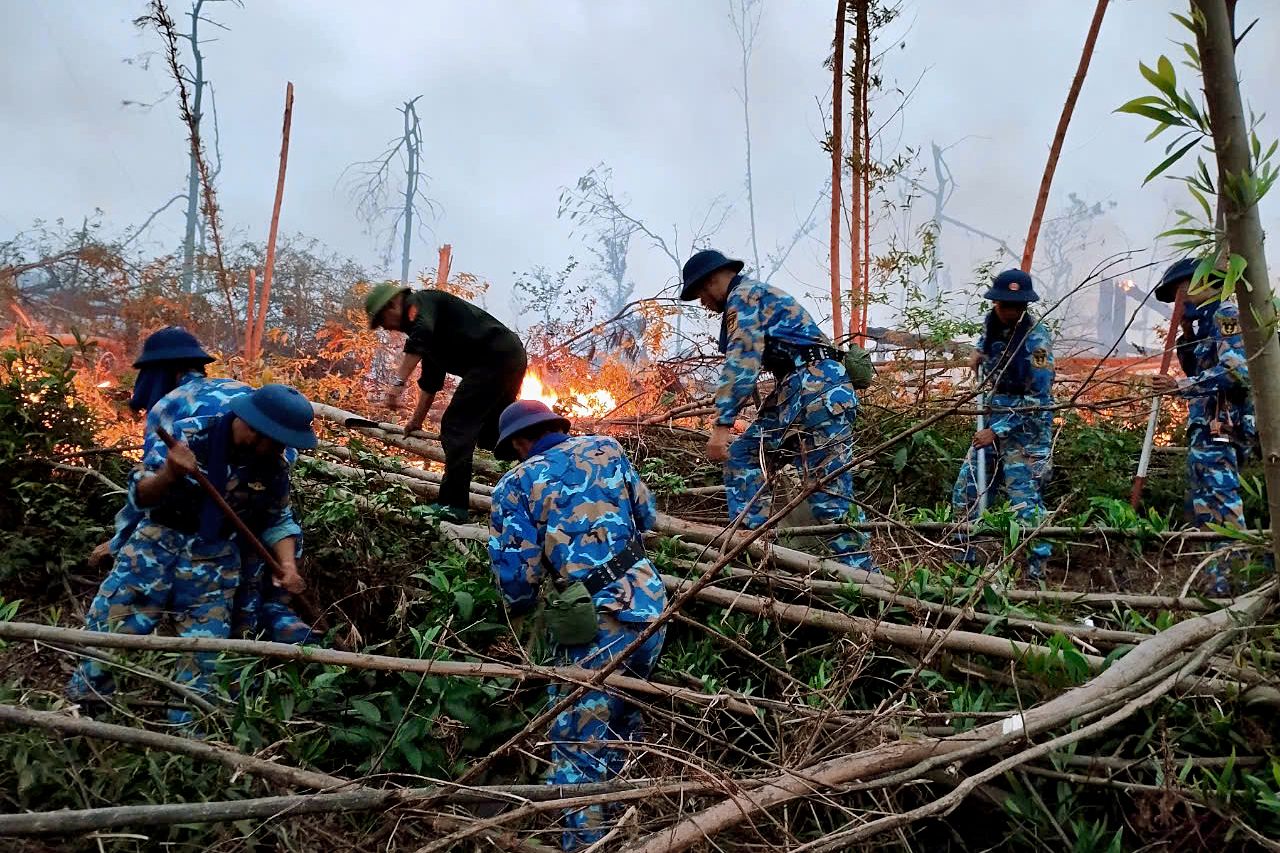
(455, 337)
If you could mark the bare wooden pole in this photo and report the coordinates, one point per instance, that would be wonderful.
(864, 28)
(837, 167)
(442, 269)
(269, 272)
(248, 314)
(76, 726)
(1033, 232)
(360, 660)
(855, 177)
(1149, 439)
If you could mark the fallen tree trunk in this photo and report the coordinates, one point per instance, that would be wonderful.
(1046, 532)
(392, 435)
(71, 821)
(907, 636)
(359, 660)
(65, 725)
(919, 605)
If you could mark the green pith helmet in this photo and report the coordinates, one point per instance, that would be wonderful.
(378, 298)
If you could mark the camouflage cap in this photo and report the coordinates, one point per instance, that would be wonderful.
(379, 297)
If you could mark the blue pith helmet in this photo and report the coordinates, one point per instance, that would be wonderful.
(520, 415)
(1177, 273)
(1012, 286)
(280, 413)
(701, 265)
(172, 343)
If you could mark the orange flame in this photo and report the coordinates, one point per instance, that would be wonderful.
(581, 404)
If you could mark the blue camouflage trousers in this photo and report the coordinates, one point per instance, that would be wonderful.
(1021, 474)
(161, 572)
(806, 422)
(261, 608)
(1213, 481)
(581, 736)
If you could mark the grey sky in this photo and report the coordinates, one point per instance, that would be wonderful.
(521, 98)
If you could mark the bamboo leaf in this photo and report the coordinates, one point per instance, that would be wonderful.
(1235, 270)
(1152, 77)
(1204, 202)
(1205, 179)
(1194, 57)
(1201, 272)
(1169, 161)
(1145, 100)
(1153, 113)
(1179, 139)
(1168, 75)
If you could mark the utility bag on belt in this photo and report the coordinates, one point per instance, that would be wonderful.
(570, 612)
(857, 363)
(570, 615)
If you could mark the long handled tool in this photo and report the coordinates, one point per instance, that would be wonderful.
(980, 458)
(1170, 339)
(310, 611)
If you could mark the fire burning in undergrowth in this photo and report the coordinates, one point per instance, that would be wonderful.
(582, 404)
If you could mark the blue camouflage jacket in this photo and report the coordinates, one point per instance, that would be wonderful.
(197, 396)
(571, 508)
(752, 311)
(1220, 386)
(1013, 415)
(185, 413)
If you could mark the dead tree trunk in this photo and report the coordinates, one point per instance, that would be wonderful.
(413, 161)
(1033, 232)
(193, 166)
(864, 35)
(1243, 230)
(745, 15)
(856, 168)
(268, 274)
(837, 157)
(442, 269)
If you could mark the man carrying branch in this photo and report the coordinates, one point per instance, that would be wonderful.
(1220, 420)
(448, 335)
(807, 419)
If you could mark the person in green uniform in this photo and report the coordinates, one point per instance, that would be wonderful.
(446, 335)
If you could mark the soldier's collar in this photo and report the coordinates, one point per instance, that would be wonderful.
(546, 442)
(1205, 309)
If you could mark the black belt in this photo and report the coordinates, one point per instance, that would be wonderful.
(606, 573)
(170, 516)
(797, 355)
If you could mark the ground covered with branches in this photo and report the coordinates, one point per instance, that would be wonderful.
(798, 705)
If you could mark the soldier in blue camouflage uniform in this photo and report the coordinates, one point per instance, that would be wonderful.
(807, 419)
(183, 558)
(171, 386)
(1220, 418)
(575, 510)
(1016, 358)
